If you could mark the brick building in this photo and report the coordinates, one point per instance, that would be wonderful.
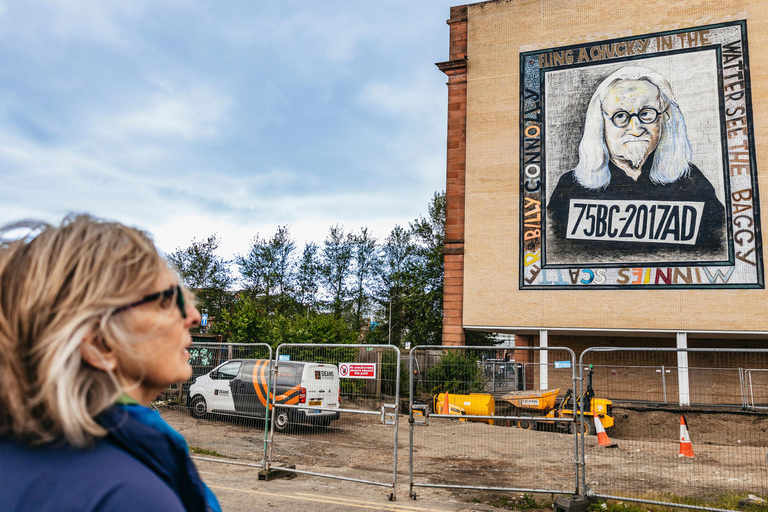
(522, 79)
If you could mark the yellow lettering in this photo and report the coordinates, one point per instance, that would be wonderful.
(531, 258)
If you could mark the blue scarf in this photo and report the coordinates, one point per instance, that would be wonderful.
(142, 433)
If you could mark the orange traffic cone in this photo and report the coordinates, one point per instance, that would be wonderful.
(602, 437)
(446, 405)
(686, 448)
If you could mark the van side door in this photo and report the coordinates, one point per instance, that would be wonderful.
(243, 392)
(222, 394)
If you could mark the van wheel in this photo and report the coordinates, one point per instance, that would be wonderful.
(198, 407)
(282, 421)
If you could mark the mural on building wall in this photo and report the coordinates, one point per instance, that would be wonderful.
(637, 163)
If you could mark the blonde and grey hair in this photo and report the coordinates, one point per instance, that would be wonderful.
(672, 159)
(58, 286)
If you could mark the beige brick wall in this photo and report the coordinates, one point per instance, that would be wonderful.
(496, 35)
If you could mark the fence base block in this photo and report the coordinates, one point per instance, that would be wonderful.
(573, 503)
(276, 472)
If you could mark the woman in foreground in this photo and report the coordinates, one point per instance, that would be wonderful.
(93, 326)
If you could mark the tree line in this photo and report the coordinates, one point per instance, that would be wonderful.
(351, 288)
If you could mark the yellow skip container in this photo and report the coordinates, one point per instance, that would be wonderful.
(473, 404)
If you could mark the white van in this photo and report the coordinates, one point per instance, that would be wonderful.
(239, 387)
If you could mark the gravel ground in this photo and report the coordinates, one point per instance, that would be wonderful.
(730, 456)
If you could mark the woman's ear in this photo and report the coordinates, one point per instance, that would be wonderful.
(96, 353)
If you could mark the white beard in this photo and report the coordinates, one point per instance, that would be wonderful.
(634, 152)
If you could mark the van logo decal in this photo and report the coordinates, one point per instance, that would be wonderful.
(260, 372)
(260, 375)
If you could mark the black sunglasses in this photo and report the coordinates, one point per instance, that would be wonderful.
(165, 295)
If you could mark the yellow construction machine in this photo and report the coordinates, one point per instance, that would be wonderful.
(473, 404)
(545, 403)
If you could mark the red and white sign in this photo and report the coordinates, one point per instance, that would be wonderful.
(357, 370)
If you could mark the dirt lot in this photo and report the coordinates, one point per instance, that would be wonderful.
(730, 453)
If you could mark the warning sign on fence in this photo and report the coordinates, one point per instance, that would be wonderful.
(357, 370)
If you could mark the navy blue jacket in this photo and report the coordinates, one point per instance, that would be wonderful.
(65, 479)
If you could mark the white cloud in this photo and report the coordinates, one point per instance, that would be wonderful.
(310, 37)
(415, 105)
(189, 114)
(235, 237)
(413, 96)
(189, 118)
(62, 22)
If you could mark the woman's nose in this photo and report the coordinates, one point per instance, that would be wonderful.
(193, 315)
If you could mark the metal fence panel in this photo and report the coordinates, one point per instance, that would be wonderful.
(465, 404)
(221, 409)
(755, 388)
(335, 412)
(718, 394)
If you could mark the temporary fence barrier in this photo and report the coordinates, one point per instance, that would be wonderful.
(460, 415)
(335, 410)
(754, 388)
(229, 387)
(719, 396)
(685, 439)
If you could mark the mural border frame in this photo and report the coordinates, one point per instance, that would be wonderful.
(534, 272)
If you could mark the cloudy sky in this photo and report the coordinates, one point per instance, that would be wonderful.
(189, 118)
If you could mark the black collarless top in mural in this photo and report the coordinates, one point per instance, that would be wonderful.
(710, 240)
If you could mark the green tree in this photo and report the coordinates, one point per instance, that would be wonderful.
(423, 301)
(282, 247)
(456, 372)
(242, 324)
(398, 252)
(335, 268)
(366, 269)
(205, 274)
(268, 269)
(254, 269)
(422, 304)
(322, 328)
(307, 278)
(248, 324)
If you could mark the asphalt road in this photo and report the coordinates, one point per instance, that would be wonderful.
(239, 490)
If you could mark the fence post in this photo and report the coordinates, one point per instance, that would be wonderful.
(684, 390)
(543, 360)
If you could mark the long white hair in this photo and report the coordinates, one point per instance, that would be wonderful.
(673, 152)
